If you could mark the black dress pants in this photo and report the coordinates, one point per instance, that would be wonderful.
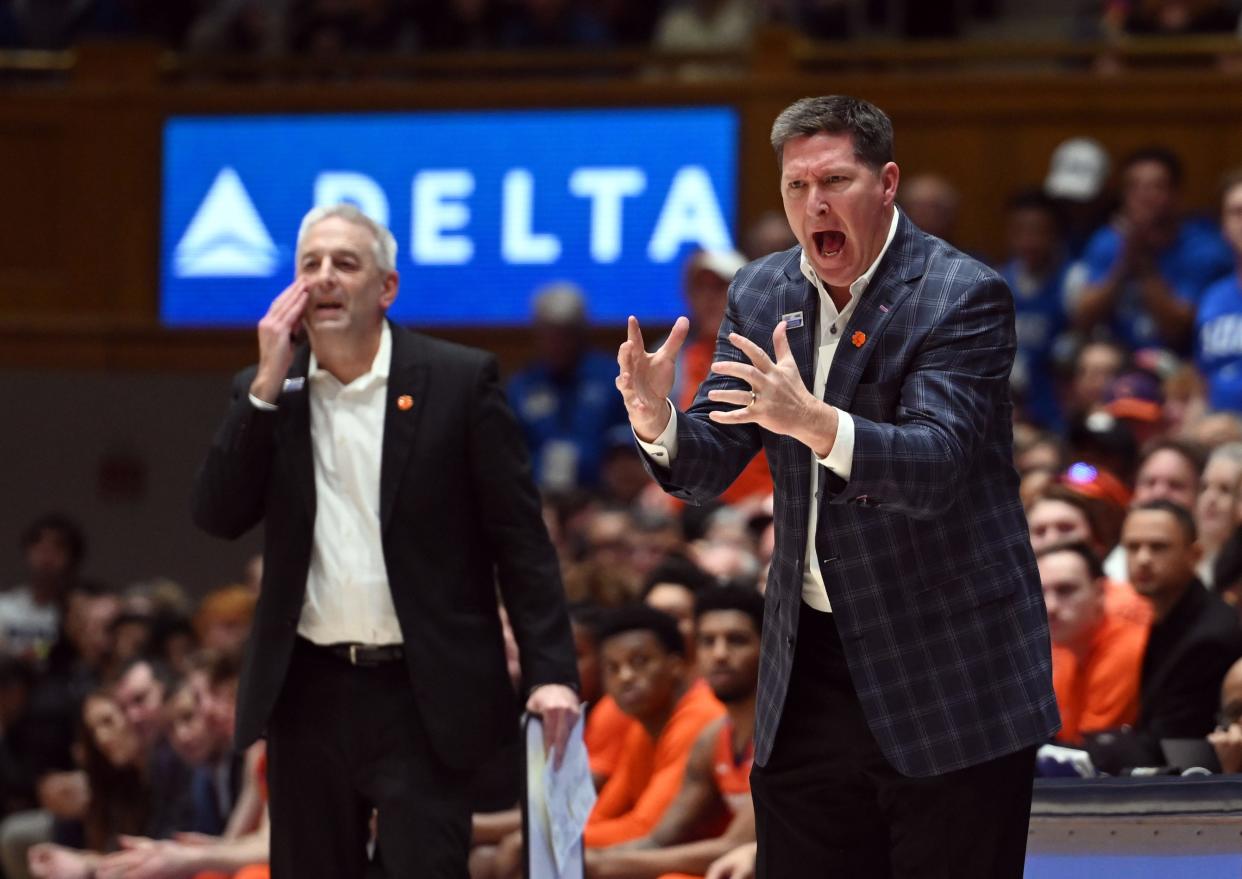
(828, 804)
(344, 740)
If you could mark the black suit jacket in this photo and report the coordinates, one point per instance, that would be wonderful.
(1188, 653)
(459, 515)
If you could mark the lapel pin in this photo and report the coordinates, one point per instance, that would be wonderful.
(404, 402)
(793, 320)
(859, 338)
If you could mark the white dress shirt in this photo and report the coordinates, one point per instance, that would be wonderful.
(829, 328)
(348, 599)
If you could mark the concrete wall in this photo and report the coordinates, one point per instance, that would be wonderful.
(118, 451)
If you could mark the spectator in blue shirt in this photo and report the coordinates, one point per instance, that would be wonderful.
(1077, 183)
(1145, 272)
(567, 399)
(1035, 272)
(1218, 324)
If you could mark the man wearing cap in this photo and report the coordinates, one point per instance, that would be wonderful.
(1137, 401)
(1145, 272)
(566, 401)
(905, 677)
(1077, 183)
(394, 490)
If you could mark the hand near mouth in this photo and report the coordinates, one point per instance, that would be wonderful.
(277, 331)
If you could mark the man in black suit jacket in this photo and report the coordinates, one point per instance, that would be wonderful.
(1195, 638)
(395, 492)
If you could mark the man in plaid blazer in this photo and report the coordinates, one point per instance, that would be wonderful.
(906, 675)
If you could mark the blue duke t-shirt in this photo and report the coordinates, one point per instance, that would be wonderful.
(1040, 321)
(1196, 258)
(1218, 343)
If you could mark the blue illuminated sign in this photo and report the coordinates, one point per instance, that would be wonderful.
(485, 207)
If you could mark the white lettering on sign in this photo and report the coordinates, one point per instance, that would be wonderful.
(335, 187)
(691, 215)
(439, 208)
(607, 188)
(519, 243)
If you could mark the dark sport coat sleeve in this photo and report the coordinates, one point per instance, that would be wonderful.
(230, 491)
(916, 463)
(527, 569)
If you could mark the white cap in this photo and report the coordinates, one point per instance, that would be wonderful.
(561, 302)
(722, 263)
(1078, 170)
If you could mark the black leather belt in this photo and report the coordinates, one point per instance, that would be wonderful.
(367, 654)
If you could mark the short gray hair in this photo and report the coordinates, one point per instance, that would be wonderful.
(384, 244)
(868, 126)
(1227, 451)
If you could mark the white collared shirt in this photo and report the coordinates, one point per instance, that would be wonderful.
(348, 598)
(829, 327)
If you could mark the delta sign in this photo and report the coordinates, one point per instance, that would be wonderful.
(485, 207)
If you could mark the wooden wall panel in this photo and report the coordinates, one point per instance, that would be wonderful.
(80, 166)
(32, 166)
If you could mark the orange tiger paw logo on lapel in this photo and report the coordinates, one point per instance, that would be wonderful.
(859, 338)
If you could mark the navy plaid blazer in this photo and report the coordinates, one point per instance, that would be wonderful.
(924, 551)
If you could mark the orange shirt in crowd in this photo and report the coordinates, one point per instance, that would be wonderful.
(606, 728)
(730, 772)
(648, 777)
(1100, 689)
(732, 777)
(1120, 599)
(695, 363)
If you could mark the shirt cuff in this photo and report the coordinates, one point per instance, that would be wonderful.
(262, 404)
(840, 459)
(663, 449)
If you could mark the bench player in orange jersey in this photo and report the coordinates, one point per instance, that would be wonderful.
(712, 812)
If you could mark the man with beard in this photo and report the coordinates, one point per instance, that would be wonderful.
(643, 656)
(715, 791)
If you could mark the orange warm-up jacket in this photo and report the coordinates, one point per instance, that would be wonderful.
(647, 778)
(1099, 690)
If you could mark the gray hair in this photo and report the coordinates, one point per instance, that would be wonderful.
(383, 242)
(1227, 451)
(868, 126)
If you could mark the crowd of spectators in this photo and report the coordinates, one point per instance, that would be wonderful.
(116, 706)
(117, 718)
(318, 27)
(328, 26)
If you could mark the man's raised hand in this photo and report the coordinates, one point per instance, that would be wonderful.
(646, 380)
(776, 398)
(276, 342)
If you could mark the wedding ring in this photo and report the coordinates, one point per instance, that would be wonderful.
(753, 398)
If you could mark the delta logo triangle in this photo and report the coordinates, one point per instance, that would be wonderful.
(226, 238)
